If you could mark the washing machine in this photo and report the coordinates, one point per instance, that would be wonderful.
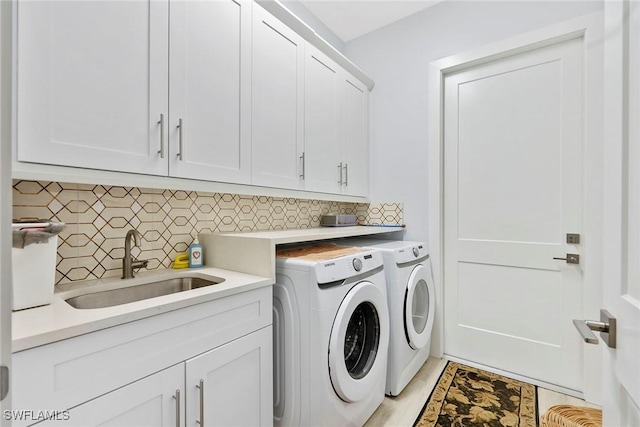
(411, 299)
(331, 335)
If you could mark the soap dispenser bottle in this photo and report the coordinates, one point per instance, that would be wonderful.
(195, 254)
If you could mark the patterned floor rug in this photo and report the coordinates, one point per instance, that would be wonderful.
(471, 397)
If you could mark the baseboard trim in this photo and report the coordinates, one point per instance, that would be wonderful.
(543, 384)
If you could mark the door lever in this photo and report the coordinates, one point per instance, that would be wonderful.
(570, 259)
(606, 326)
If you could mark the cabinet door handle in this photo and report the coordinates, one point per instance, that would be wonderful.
(161, 123)
(302, 158)
(177, 398)
(180, 129)
(340, 169)
(201, 387)
(346, 174)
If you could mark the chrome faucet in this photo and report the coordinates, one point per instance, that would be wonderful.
(128, 263)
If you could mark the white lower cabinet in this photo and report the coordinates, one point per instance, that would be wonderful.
(156, 400)
(205, 365)
(226, 386)
(210, 384)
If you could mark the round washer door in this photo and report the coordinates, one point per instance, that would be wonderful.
(419, 307)
(359, 336)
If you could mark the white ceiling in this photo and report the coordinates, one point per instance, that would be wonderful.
(349, 19)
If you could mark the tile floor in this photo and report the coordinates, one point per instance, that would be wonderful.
(402, 410)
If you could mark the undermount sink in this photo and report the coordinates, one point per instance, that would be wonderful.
(139, 292)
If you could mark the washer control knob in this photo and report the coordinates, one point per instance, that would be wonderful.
(357, 264)
(416, 252)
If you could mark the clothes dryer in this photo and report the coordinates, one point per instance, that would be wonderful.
(411, 299)
(331, 335)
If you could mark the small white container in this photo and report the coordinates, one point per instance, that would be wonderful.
(34, 274)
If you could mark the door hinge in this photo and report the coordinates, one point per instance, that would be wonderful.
(4, 382)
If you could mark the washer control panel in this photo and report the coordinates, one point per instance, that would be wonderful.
(348, 266)
(396, 251)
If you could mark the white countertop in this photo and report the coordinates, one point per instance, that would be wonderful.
(278, 237)
(247, 262)
(254, 252)
(57, 321)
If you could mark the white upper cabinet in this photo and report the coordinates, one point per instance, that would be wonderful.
(322, 133)
(336, 122)
(210, 90)
(92, 83)
(277, 103)
(355, 136)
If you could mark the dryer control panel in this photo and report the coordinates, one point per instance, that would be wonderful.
(348, 266)
(411, 253)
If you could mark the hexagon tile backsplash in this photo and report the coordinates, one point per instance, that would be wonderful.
(98, 217)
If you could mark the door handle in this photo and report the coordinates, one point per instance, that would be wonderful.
(607, 327)
(161, 123)
(201, 387)
(177, 398)
(180, 131)
(346, 174)
(570, 259)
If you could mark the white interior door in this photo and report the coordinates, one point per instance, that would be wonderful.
(513, 185)
(621, 385)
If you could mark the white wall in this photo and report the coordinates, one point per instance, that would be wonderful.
(397, 58)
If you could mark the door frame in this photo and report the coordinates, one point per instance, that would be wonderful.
(590, 29)
(621, 399)
(6, 102)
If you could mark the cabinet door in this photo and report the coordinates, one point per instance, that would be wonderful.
(210, 99)
(324, 171)
(154, 401)
(232, 385)
(92, 83)
(277, 103)
(355, 133)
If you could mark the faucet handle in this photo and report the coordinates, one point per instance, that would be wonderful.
(137, 264)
